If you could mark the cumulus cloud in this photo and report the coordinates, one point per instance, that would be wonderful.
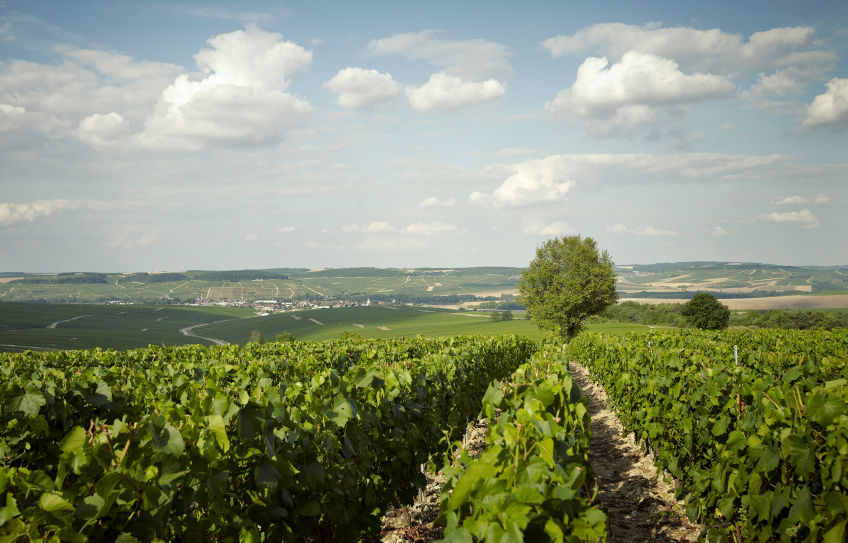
(358, 87)
(803, 218)
(11, 117)
(829, 110)
(250, 237)
(475, 60)
(705, 51)
(379, 227)
(434, 201)
(531, 182)
(436, 228)
(446, 93)
(537, 226)
(626, 93)
(791, 200)
(103, 130)
(786, 60)
(641, 231)
(241, 101)
(11, 214)
(718, 231)
(286, 230)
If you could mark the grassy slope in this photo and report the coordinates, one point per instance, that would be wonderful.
(114, 327)
(403, 321)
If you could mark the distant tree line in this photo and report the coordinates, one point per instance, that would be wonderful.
(400, 298)
(689, 294)
(501, 306)
(145, 277)
(238, 275)
(86, 278)
(671, 315)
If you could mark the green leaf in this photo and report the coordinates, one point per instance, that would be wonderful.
(529, 494)
(74, 441)
(10, 511)
(474, 473)
(217, 429)
(267, 476)
(826, 409)
(836, 534)
(316, 473)
(802, 510)
(28, 402)
(126, 538)
(310, 508)
(167, 439)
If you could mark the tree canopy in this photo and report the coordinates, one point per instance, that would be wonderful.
(568, 281)
(705, 312)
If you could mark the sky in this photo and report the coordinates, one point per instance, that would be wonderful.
(142, 136)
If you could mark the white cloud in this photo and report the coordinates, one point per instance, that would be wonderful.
(641, 231)
(728, 127)
(536, 226)
(358, 87)
(791, 200)
(626, 93)
(250, 237)
(829, 110)
(531, 182)
(516, 151)
(448, 93)
(286, 230)
(803, 218)
(316, 41)
(350, 228)
(718, 231)
(432, 229)
(706, 51)
(5, 33)
(11, 117)
(475, 60)
(11, 214)
(241, 101)
(103, 130)
(379, 227)
(434, 201)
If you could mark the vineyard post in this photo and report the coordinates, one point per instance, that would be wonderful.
(421, 491)
(736, 354)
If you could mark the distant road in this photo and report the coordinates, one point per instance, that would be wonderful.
(187, 331)
(53, 325)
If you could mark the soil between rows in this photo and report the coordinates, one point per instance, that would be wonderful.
(640, 506)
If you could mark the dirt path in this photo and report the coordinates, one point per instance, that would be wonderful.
(53, 325)
(187, 331)
(415, 523)
(640, 506)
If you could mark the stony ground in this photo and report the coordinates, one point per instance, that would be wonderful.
(641, 506)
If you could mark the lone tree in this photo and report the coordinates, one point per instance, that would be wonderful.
(705, 312)
(568, 281)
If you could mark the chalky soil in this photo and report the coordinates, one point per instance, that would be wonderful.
(640, 505)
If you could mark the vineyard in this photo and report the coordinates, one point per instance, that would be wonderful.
(753, 423)
(316, 441)
(282, 442)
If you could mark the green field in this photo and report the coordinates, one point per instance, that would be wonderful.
(119, 327)
(25, 326)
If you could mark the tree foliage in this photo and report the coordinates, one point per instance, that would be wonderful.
(705, 312)
(285, 337)
(568, 281)
(497, 316)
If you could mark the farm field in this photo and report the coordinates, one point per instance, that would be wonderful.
(300, 286)
(381, 322)
(729, 277)
(25, 326)
(88, 326)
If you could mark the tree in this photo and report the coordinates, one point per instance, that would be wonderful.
(568, 281)
(505, 316)
(705, 312)
(285, 337)
(347, 336)
(255, 337)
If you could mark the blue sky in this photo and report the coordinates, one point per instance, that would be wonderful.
(137, 136)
